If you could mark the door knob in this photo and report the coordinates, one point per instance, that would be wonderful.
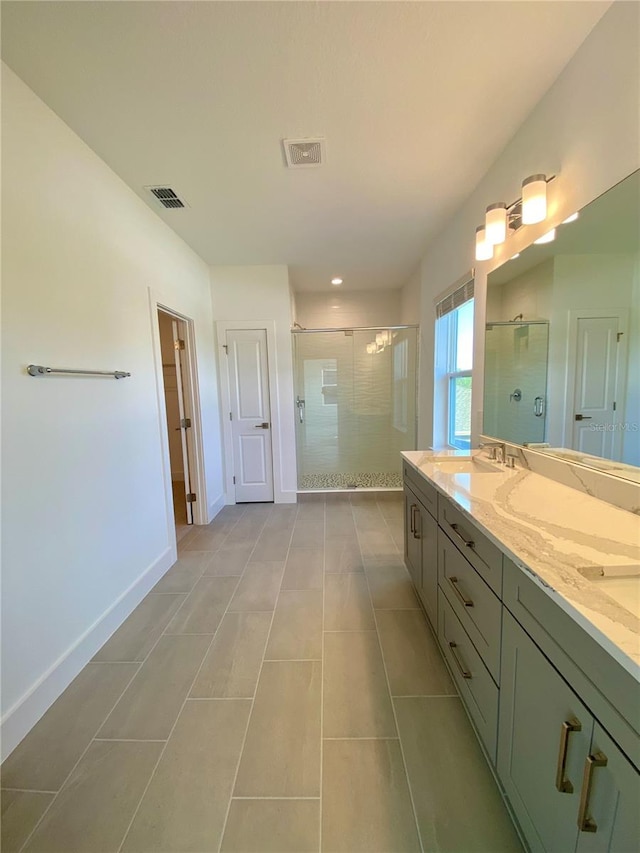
(584, 418)
(264, 425)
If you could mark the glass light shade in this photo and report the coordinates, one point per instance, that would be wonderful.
(495, 223)
(549, 237)
(371, 348)
(484, 249)
(534, 199)
(379, 340)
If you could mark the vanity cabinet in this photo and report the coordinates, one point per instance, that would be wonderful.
(557, 714)
(569, 784)
(421, 550)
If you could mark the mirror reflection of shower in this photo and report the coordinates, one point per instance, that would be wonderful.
(355, 406)
(515, 385)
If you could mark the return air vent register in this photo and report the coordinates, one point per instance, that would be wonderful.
(304, 153)
(167, 197)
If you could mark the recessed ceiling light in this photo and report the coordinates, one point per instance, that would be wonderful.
(336, 281)
(571, 218)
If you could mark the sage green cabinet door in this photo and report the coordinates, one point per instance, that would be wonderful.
(412, 549)
(428, 589)
(537, 752)
(612, 807)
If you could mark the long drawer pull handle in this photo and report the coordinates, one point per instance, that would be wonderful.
(588, 824)
(571, 725)
(463, 598)
(417, 533)
(463, 672)
(412, 510)
(468, 542)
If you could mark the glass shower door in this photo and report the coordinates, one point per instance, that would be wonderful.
(515, 386)
(355, 406)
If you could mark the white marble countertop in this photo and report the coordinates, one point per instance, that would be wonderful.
(563, 538)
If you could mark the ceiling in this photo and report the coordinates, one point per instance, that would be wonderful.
(415, 100)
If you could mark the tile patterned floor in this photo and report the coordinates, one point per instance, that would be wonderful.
(278, 690)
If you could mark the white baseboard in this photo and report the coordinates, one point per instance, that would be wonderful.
(287, 497)
(26, 712)
(216, 506)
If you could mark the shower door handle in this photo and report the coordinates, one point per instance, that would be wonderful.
(538, 407)
(300, 407)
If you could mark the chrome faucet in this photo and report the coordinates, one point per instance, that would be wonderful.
(496, 450)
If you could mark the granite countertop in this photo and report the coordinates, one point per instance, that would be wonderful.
(565, 539)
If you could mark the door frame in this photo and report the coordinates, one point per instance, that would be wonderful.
(268, 326)
(572, 354)
(191, 391)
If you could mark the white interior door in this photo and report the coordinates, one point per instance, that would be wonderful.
(250, 414)
(185, 419)
(597, 373)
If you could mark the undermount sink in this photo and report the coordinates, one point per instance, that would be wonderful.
(622, 583)
(465, 465)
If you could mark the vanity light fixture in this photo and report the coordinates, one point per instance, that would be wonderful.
(484, 249)
(495, 223)
(372, 348)
(534, 199)
(549, 237)
(336, 281)
(571, 218)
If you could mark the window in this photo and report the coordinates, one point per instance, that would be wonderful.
(454, 361)
(329, 387)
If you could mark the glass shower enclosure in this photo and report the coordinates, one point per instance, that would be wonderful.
(355, 406)
(515, 380)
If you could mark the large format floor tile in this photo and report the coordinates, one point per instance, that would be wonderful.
(150, 705)
(183, 575)
(281, 756)
(204, 607)
(250, 707)
(232, 665)
(347, 606)
(44, 759)
(356, 696)
(457, 801)
(296, 633)
(139, 633)
(303, 569)
(272, 826)
(185, 806)
(258, 588)
(21, 811)
(366, 805)
(413, 660)
(93, 810)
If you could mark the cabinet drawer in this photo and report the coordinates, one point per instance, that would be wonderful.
(425, 491)
(472, 678)
(477, 607)
(480, 551)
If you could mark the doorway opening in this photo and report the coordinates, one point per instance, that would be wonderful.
(179, 413)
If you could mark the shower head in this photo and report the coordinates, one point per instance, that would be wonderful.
(517, 317)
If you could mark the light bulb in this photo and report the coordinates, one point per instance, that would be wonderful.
(534, 199)
(336, 281)
(484, 249)
(549, 237)
(496, 223)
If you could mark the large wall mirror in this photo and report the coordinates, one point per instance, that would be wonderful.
(562, 346)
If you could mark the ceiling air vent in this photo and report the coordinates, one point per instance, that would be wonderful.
(166, 196)
(303, 153)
